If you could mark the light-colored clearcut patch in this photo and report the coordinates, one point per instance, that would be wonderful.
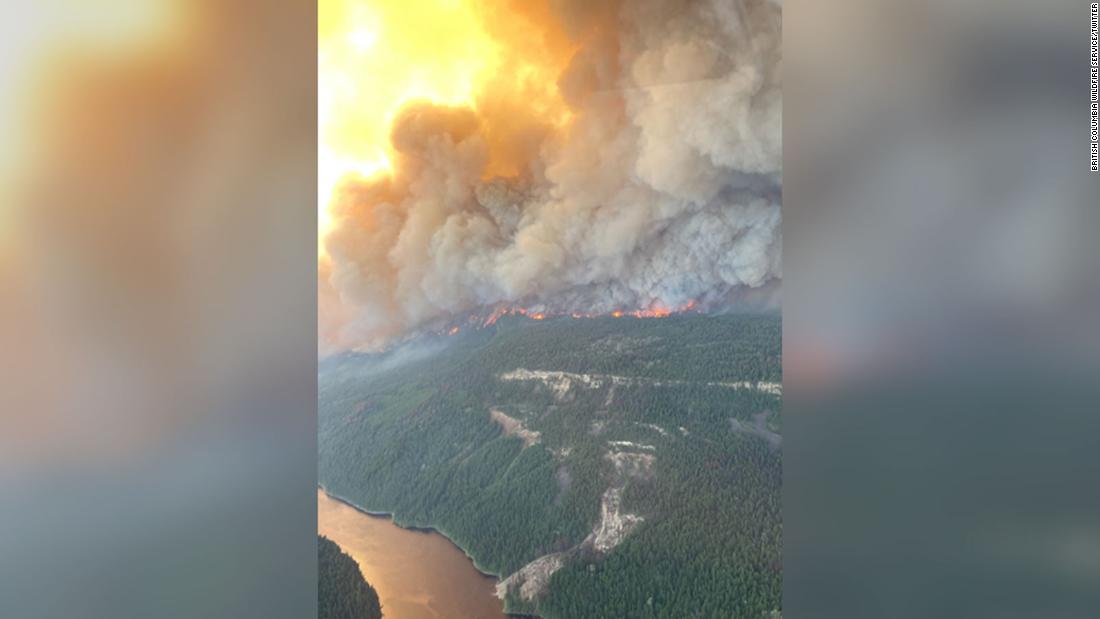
(614, 525)
(772, 388)
(514, 427)
(656, 428)
(612, 528)
(560, 383)
(533, 578)
(630, 445)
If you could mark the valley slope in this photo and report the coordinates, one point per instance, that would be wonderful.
(607, 467)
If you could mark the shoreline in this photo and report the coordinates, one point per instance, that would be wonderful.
(429, 529)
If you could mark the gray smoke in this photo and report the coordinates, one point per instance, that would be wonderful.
(665, 189)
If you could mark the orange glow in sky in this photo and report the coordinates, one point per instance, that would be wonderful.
(374, 56)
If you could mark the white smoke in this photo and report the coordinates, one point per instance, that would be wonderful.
(665, 189)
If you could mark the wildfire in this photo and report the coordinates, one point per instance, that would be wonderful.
(481, 321)
(654, 311)
(659, 311)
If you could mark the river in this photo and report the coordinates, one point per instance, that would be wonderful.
(418, 574)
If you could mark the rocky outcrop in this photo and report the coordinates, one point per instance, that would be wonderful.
(514, 427)
(610, 530)
(561, 383)
(533, 578)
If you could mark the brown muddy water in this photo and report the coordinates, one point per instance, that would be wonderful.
(418, 574)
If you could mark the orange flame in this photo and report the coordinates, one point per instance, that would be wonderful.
(654, 311)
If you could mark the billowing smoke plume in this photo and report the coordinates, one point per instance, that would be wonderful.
(662, 188)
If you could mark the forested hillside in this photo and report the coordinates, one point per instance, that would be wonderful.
(341, 591)
(608, 467)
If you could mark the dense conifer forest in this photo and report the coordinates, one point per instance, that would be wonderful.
(341, 591)
(525, 439)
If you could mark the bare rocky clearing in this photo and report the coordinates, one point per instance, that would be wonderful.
(514, 427)
(560, 383)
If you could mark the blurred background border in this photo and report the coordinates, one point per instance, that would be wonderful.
(158, 310)
(941, 350)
